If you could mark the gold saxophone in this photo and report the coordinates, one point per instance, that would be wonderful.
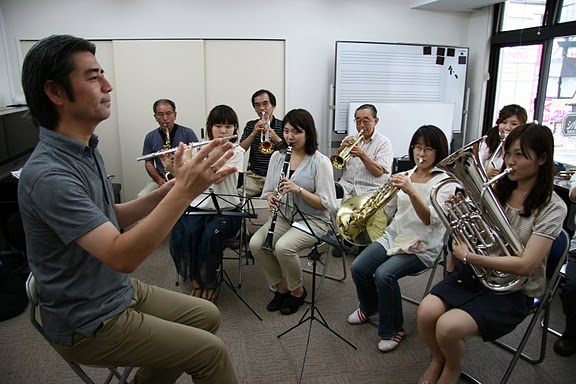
(479, 218)
(361, 219)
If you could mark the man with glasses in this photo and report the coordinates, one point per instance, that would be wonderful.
(264, 103)
(165, 115)
(371, 162)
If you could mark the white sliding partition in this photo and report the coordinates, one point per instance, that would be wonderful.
(235, 69)
(147, 70)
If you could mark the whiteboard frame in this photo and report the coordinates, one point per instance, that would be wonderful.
(394, 72)
(399, 121)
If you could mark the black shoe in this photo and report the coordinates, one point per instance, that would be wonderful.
(337, 252)
(565, 347)
(292, 304)
(278, 301)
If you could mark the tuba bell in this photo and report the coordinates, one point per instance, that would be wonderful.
(339, 161)
(478, 218)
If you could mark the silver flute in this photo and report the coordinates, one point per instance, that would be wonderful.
(172, 150)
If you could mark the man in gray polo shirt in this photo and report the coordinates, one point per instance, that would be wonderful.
(92, 311)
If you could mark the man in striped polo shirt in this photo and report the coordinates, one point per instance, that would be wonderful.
(264, 103)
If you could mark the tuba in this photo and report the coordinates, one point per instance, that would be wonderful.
(339, 161)
(479, 218)
(361, 219)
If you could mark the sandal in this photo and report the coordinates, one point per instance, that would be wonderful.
(209, 294)
(196, 289)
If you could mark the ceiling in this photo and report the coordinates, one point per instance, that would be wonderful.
(451, 5)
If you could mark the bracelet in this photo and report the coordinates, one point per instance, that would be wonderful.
(464, 257)
(300, 189)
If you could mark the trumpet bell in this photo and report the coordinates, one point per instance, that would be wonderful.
(338, 161)
(266, 147)
(355, 231)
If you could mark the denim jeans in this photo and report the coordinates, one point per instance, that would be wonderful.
(376, 275)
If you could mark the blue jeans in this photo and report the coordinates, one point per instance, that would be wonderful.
(376, 275)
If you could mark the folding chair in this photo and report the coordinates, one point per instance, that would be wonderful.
(556, 259)
(122, 377)
(562, 276)
(441, 259)
(323, 275)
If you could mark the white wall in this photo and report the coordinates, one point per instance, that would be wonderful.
(310, 28)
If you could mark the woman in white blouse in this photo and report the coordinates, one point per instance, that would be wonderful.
(309, 185)
(510, 117)
(410, 243)
(196, 243)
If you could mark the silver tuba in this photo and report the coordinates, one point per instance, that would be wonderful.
(479, 218)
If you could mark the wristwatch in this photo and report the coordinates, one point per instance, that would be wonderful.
(300, 189)
(464, 257)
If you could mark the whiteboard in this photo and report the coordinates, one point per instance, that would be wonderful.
(399, 73)
(399, 121)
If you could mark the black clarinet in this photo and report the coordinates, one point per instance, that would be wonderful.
(285, 169)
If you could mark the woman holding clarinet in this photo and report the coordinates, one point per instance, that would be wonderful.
(298, 176)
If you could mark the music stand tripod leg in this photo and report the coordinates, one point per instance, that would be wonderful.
(312, 309)
(226, 279)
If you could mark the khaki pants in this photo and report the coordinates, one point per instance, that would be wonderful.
(164, 332)
(254, 184)
(284, 262)
(149, 188)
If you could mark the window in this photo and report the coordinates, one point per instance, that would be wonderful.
(518, 75)
(568, 11)
(533, 64)
(519, 14)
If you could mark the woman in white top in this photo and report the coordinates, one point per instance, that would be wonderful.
(410, 243)
(196, 243)
(510, 117)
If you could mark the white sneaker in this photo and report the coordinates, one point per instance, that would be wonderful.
(357, 317)
(388, 344)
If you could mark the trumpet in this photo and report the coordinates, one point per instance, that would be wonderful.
(172, 150)
(339, 160)
(266, 146)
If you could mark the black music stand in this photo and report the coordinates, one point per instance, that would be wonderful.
(334, 242)
(245, 212)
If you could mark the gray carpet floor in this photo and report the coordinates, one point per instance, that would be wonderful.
(308, 354)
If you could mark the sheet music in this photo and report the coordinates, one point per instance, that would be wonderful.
(16, 174)
(302, 227)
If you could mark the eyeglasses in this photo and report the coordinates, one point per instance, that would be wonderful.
(365, 120)
(162, 114)
(418, 148)
(264, 104)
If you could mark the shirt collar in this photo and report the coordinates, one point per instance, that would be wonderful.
(66, 144)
